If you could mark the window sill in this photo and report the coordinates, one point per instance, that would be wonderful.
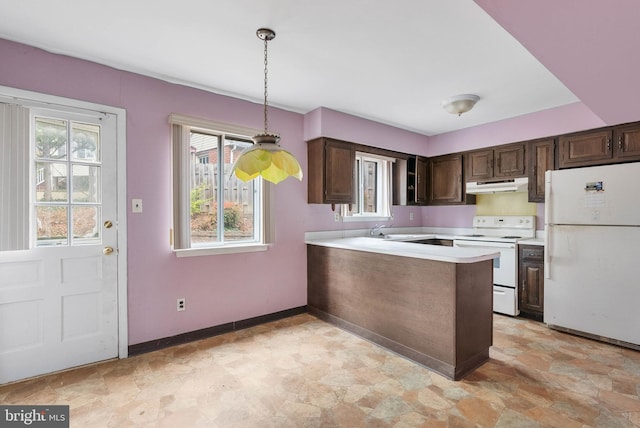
(226, 249)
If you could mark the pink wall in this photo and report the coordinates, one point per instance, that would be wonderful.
(590, 46)
(324, 122)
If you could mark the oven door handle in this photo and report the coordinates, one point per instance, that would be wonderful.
(461, 243)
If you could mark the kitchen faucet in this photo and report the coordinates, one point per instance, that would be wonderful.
(375, 229)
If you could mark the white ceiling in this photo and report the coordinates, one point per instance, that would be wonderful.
(389, 61)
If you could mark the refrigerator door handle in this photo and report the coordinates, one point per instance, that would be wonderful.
(547, 251)
(547, 228)
(547, 194)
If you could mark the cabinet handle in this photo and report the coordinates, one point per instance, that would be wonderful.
(609, 144)
(620, 142)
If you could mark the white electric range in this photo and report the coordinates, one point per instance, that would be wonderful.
(501, 233)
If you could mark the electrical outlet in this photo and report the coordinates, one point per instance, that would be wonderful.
(410, 216)
(136, 205)
(181, 304)
(336, 216)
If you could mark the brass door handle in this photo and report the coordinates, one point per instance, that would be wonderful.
(108, 224)
(108, 250)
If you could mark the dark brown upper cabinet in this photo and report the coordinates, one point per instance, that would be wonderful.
(417, 181)
(585, 148)
(540, 158)
(601, 146)
(331, 170)
(626, 139)
(446, 185)
(496, 162)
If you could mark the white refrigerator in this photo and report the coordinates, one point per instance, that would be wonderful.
(592, 254)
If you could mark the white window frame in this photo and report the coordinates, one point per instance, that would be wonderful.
(384, 189)
(180, 234)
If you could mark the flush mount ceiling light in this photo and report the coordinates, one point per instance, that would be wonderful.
(266, 158)
(460, 103)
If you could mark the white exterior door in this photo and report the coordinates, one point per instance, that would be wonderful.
(59, 295)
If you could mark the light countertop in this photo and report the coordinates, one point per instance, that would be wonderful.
(533, 241)
(409, 249)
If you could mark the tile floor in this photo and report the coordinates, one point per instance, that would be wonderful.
(303, 372)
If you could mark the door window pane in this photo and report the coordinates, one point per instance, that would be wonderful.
(51, 182)
(85, 142)
(85, 183)
(50, 138)
(67, 188)
(86, 224)
(52, 224)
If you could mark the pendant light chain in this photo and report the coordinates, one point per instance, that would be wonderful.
(265, 86)
(265, 158)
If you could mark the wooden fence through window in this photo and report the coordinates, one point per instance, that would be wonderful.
(236, 192)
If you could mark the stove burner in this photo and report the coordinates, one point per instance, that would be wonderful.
(511, 237)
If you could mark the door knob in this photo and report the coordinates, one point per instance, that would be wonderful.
(108, 224)
(107, 250)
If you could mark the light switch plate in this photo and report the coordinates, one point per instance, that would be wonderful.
(136, 205)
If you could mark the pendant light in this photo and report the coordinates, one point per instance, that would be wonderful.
(266, 158)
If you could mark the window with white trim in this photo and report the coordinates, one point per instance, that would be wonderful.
(214, 212)
(373, 188)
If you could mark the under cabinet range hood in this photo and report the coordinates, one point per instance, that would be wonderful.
(498, 186)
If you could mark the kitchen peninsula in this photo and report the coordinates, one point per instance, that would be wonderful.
(431, 304)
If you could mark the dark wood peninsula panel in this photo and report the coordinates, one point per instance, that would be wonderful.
(436, 313)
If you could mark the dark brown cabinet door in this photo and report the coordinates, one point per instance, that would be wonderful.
(498, 162)
(540, 158)
(339, 170)
(445, 180)
(531, 279)
(331, 170)
(626, 140)
(480, 165)
(417, 180)
(508, 161)
(585, 148)
(421, 181)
